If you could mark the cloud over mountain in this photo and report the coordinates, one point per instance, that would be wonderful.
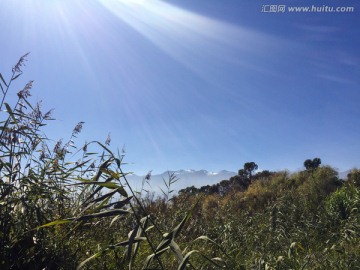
(185, 178)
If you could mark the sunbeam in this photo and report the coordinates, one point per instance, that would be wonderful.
(196, 82)
(195, 41)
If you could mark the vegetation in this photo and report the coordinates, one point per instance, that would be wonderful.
(239, 182)
(312, 164)
(68, 207)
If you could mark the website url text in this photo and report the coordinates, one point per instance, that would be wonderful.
(314, 9)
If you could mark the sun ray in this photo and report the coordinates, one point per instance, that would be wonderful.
(194, 40)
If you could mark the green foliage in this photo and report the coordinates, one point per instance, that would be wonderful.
(286, 221)
(249, 168)
(312, 164)
(238, 182)
(342, 203)
(354, 177)
(69, 207)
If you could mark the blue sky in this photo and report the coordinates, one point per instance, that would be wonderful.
(202, 84)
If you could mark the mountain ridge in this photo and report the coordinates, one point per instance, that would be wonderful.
(185, 178)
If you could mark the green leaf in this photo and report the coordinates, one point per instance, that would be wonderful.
(132, 236)
(54, 223)
(102, 214)
(90, 153)
(101, 198)
(109, 185)
(113, 174)
(177, 229)
(168, 238)
(182, 265)
(109, 248)
(176, 249)
(204, 237)
(150, 258)
(86, 217)
(128, 243)
(102, 166)
(122, 191)
(214, 261)
(149, 228)
(118, 162)
(122, 203)
(144, 224)
(113, 220)
(81, 265)
(165, 242)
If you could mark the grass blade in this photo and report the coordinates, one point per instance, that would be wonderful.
(186, 259)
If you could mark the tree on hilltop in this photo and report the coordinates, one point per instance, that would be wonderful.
(312, 164)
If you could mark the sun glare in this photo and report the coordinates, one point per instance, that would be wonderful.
(194, 40)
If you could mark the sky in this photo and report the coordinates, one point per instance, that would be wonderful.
(194, 84)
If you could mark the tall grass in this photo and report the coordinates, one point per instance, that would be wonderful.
(64, 206)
